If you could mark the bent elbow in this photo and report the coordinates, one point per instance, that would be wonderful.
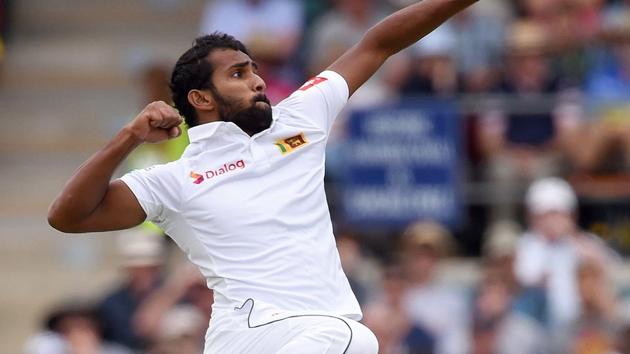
(56, 221)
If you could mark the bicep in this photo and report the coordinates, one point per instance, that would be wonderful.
(119, 210)
(358, 64)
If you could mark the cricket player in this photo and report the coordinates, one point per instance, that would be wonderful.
(246, 200)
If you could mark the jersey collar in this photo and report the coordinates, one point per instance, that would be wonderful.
(204, 131)
(207, 130)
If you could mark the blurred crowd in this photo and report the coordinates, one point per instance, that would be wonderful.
(543, 86)
(545, 288)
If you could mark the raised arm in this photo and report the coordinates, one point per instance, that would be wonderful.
(393, 34)
(89, 201)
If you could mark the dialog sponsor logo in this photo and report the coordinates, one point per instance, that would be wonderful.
(226, 168)
(197, 178)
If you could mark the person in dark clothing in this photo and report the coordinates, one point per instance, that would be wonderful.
(142, 258)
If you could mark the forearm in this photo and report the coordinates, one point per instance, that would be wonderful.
(407, 26)
(87, 187)
(393, 34)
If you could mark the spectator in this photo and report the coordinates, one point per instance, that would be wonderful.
(497, 327)
(185, 286)
(519, 136)
(500, 241)
(606, 147)
(587, 18)
(499, 252)
(549, 252)
(361, 272)
(433, 68)
(616, 20)
(479, 49)
(430, 302)
(181, 331)
(141, 260)
(571, 27)
(598, 323)
(72, 329)
(388, 318)
(548, 14)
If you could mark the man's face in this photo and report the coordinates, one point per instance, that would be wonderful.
(239, 92)
(553, 225)
(529, 72)
(422, 262)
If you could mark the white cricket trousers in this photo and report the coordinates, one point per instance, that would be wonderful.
(292, 334)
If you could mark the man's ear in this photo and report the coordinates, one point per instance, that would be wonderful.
(201, 100)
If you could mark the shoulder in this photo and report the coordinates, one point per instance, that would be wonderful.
(317, 102)
(327, 83)
(165, 169)
(160, 179)
(322, 89)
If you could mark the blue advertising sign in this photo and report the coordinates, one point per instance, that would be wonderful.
(401, 164)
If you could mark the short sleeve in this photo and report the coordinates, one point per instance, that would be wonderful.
(319, 100)
(156, 190)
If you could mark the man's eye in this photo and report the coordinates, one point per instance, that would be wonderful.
(237, 74)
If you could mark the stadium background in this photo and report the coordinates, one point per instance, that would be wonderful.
(73, 72)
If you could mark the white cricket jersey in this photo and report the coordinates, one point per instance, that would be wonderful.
(251, 212)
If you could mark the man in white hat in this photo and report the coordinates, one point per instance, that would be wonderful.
(549, 253)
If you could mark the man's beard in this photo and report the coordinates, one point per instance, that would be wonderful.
(251, 120)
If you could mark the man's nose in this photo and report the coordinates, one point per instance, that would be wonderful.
(259, 84)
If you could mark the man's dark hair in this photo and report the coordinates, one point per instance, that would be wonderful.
(193, 71)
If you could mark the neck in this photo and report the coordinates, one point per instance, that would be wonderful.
(207, 118)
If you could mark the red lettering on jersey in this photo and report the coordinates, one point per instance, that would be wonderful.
(312, 82)
(227, 167)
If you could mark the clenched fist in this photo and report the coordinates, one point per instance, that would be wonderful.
(157, 122)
